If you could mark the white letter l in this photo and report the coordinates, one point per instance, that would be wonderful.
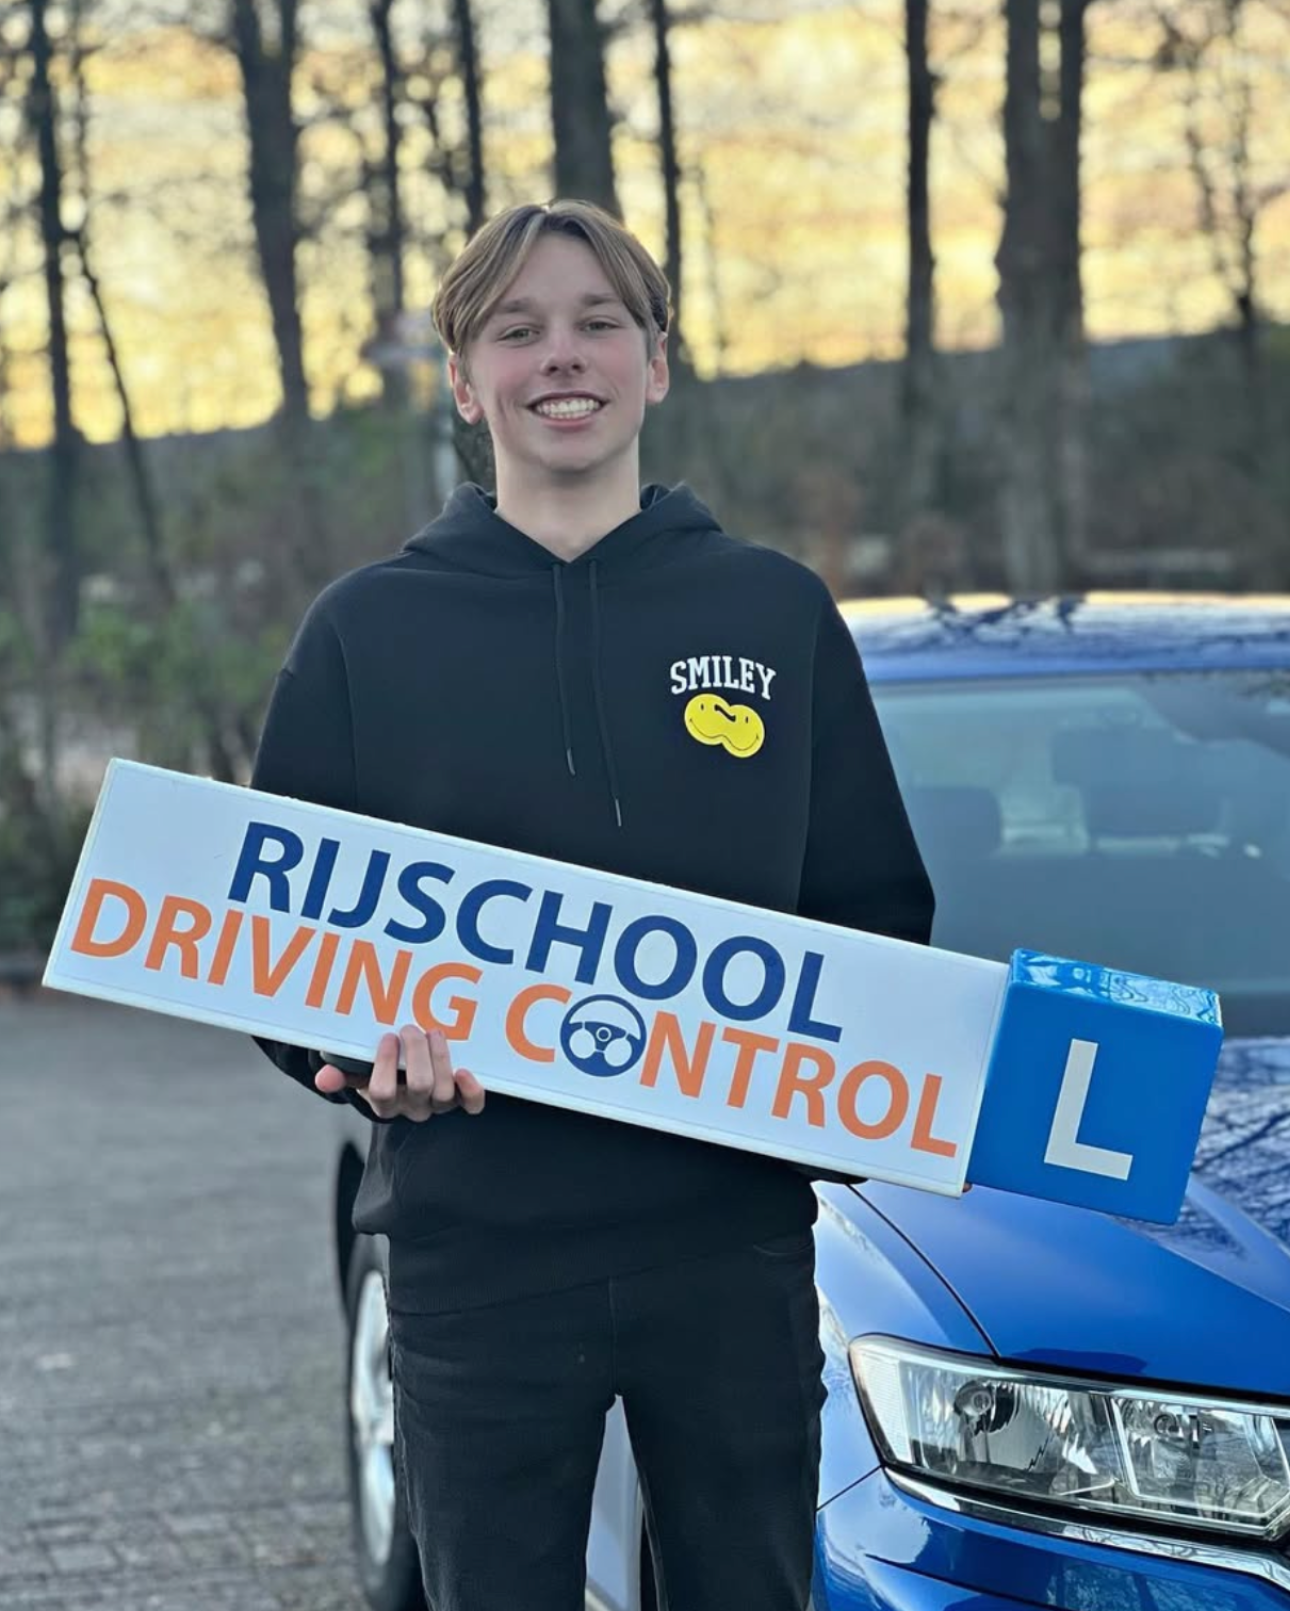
(1064, 1146)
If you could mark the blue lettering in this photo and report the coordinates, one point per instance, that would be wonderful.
(629, 941)
(468, 917)
(378, 865)
(429, 908)
(548, 931)
(251, 860)
(714, 978)
(320, 878)
(800, 1021)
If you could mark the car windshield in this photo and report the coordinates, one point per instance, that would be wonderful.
(1142, 822)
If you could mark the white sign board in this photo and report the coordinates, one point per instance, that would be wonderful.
(606, 994)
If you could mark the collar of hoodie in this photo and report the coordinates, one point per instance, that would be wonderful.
(471, 536)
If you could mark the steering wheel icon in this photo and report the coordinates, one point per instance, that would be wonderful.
(602, 1035)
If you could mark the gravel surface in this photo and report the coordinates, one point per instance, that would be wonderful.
(171, 1342)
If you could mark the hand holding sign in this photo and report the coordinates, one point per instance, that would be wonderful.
(429, 1084)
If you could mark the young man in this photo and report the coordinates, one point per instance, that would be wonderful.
(580, 670)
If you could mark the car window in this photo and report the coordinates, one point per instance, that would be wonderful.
(1141, 821)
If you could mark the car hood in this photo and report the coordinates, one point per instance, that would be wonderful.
(1205, 1302)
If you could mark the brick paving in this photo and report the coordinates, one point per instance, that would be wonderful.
(171, 1344)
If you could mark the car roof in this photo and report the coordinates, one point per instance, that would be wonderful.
(993, 635)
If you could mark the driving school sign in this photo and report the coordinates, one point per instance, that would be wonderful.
(634, 1001)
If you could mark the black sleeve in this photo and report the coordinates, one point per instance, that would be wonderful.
(306, 752)
(307, 743)
(862, 868)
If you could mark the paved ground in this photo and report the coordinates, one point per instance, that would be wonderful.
(171, 1348)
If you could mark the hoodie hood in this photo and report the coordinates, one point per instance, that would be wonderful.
(471, 536)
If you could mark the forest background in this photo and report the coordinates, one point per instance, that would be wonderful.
(970, 295)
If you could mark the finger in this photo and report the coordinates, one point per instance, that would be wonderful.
(420, 1070)
(382, 1109)
(469, 1091)
(404, 1106)
(330, 1079)
(445, 1087)
(384, 1083)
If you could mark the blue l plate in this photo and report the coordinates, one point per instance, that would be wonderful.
(1096, 1088)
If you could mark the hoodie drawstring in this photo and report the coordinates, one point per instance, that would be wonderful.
(559, 669)
(606, 746)
(607, 749)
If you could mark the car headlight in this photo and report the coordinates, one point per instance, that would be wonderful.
(1055, 1440)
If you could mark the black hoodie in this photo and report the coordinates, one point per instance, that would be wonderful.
(674, 705)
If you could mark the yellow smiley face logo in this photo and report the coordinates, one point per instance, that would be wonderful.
(737, 728)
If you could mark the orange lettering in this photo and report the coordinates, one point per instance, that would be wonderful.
(689, 1069)
(168, 933)
(229, 930)
(267, 977)
(385, 995)
(791, 1081)
(463, 1008)
(897, 1106)
(321, 976)
(136, 919)
(516, 1014)
(749, 1045)
(924, 1140)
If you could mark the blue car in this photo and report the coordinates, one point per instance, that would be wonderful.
(1031, 1404)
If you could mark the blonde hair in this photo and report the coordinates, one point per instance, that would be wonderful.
(478, 277)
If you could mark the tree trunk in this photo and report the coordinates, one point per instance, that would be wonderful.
(272, 134)
(669, 161)
(145, 497)
(386, 232)
(1031, 556)
(463, 24)
(712, 264)
(1066, 282)
(267, 74)
(1245, 207)
(919, 400)
(1229, 201)
(164, 588)
(584, 166)
(62, 608)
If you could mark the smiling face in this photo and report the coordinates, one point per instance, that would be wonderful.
(561, 372)
(738, 729)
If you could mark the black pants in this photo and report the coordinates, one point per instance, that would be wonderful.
(500, 1414)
